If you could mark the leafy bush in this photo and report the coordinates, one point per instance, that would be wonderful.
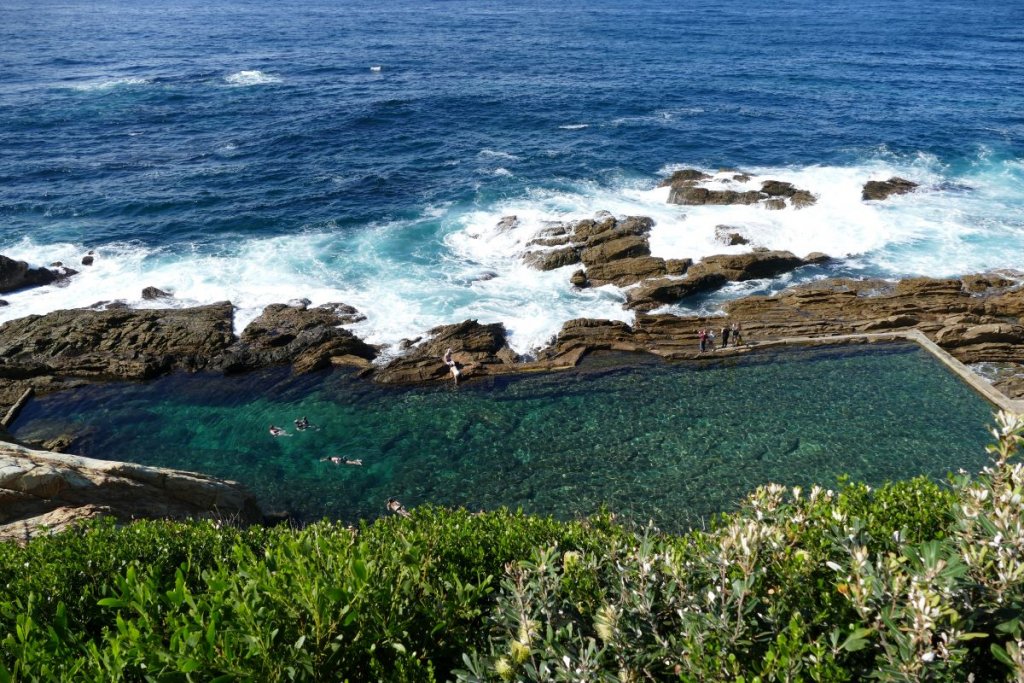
(911, 581)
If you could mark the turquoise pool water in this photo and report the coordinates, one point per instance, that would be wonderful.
(669, 442)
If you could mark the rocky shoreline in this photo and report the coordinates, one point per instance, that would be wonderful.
(976, 318)
(43, 491)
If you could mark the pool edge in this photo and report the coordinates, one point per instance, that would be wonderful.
(971, 378)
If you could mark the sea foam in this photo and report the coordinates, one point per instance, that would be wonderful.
(253, 77)
(454, 262)
(108, 84)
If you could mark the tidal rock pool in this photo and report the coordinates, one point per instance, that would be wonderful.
(651, 440)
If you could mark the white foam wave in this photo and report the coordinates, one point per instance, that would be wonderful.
(455, 263)
(497, 154)
(108, 84)
(575, 126)
(253, 77)
(503, 172)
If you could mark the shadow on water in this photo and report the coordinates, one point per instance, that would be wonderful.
(669, 442)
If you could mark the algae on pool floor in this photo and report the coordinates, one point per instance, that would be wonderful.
(650, 440)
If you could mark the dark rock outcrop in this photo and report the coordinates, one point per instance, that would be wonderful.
(686, 189)
(686, 175)
(655, 293)
(114, 344)
(64, 348)
(631, 270)
(729, 236)
(711, 274)
(15, 275)
(552, 259)
(308, 338)
(474, 347)
(152, 293)
(876, 190)
(614, 251)
(689, 195)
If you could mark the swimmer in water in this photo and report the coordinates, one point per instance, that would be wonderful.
(277, 431)
(338, 460)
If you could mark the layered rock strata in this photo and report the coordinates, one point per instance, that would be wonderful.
(44, 492)
(975, 319)
(713, 272)
(611, 250)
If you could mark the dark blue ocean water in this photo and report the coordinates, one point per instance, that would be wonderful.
(247, 150)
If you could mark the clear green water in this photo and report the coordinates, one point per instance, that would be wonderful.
(654, 440)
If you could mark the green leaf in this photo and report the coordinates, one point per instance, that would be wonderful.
(398, 647)
(359, 569)
(857, 640)
(188, 666)
(999, 653)
(972, 636)
(299, 643)
(112, 602)
(5, 675)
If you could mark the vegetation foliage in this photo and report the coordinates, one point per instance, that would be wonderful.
(912, 581)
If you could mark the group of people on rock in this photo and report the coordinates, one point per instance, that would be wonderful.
(706, 337)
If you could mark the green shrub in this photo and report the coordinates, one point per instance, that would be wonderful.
(911, 581)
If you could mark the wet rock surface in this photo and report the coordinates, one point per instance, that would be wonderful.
(877, 190)
(713, 273)
(687, 189)
(15, 275)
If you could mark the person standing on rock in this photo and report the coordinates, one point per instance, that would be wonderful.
(725, 336)
(703, 337)
(711, 340)
(450, 362)
(737, 334)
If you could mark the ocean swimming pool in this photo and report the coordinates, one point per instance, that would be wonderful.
(651, 440)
